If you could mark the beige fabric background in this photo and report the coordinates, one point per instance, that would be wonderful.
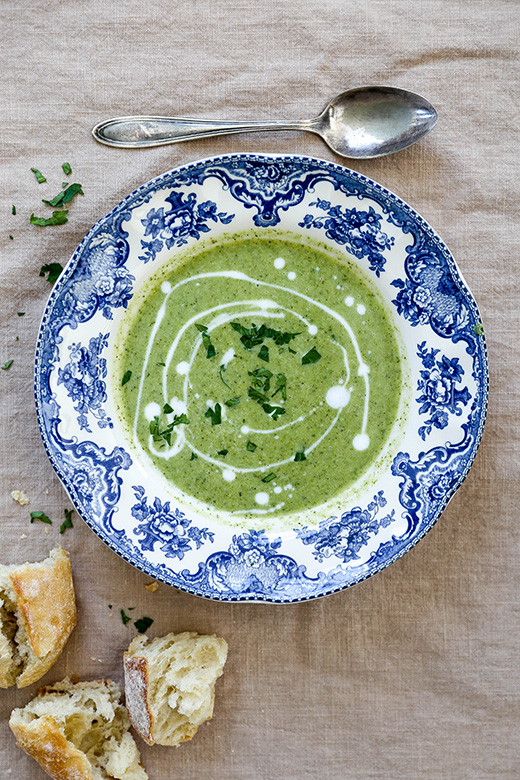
(413, 675)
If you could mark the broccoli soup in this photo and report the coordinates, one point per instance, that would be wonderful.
(262, 375)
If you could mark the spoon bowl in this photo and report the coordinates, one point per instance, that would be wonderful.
(375, 121)
(361, 123)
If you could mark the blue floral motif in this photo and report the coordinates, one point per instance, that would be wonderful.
(267, 187)
(359, 231)
(439, 397)
(101, 282)
(344, 537)
(171, 529)
(185, 219)
(83, 379)
(430, 295)
(253, 565)
(91, 474)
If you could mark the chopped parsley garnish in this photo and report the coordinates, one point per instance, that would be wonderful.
(11, 237)
(167, 409)
(260, 386)
(261, 379)
(210, 349)
(312, 356)
(143, 624)
(281, 386)
(40, 516)
(154, 426)
(179, 419)
(65, 196)
(53, 269)
(124, 617)
(269, 477)
(263, 354)
(194, 456)
(252, 336)
(478, 329)
(223, 452)
(7, 365)
(58, 218)
(232, 401)
(166, 434)
(261, 372)
(257, 395)
(249, 338)
(67, 170)
(283, 337)
(39, 176)
(214, 414)
(21, 313)
(221, 372)
(126, 377)
(274, 411)
(251, 446)
(300, 455)
(67, 523)
(13, 210)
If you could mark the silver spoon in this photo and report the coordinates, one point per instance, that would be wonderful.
(360, 123)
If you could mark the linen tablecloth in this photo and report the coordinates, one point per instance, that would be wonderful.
(414, 673)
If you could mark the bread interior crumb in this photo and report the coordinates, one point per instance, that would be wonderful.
(14, 647)
(182, 683)
(91, 718)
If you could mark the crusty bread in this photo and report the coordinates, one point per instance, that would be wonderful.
(170, 684)
(79, 731)
(37, 615)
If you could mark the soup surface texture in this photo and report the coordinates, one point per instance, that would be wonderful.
(261, 374)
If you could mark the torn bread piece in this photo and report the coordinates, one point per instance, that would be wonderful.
(170, 684)
(37, 615)
(79, 731)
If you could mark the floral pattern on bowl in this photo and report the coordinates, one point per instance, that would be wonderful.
(434, 311)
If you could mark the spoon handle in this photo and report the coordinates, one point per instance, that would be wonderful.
(140, 131)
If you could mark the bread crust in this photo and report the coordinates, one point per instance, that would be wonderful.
(46, 602)
(136, 695)
(43, 741)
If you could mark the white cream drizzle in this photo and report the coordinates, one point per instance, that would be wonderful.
(337, 397)
(227, 357)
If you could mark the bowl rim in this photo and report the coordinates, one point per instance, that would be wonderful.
(150, 569)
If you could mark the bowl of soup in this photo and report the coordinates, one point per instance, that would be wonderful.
(261, 378)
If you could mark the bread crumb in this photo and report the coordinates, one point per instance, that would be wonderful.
(47, 492)
(20, 497)
(170, 684)
(152, 586)
(23, 536)
(47, 530)
(79, 730)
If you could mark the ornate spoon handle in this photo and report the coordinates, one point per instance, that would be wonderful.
(139, 131)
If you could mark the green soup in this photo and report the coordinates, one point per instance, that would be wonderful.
(261, 374)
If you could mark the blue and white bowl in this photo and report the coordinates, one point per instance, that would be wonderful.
(433, 309)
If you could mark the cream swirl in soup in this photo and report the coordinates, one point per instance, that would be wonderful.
(262, 374)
